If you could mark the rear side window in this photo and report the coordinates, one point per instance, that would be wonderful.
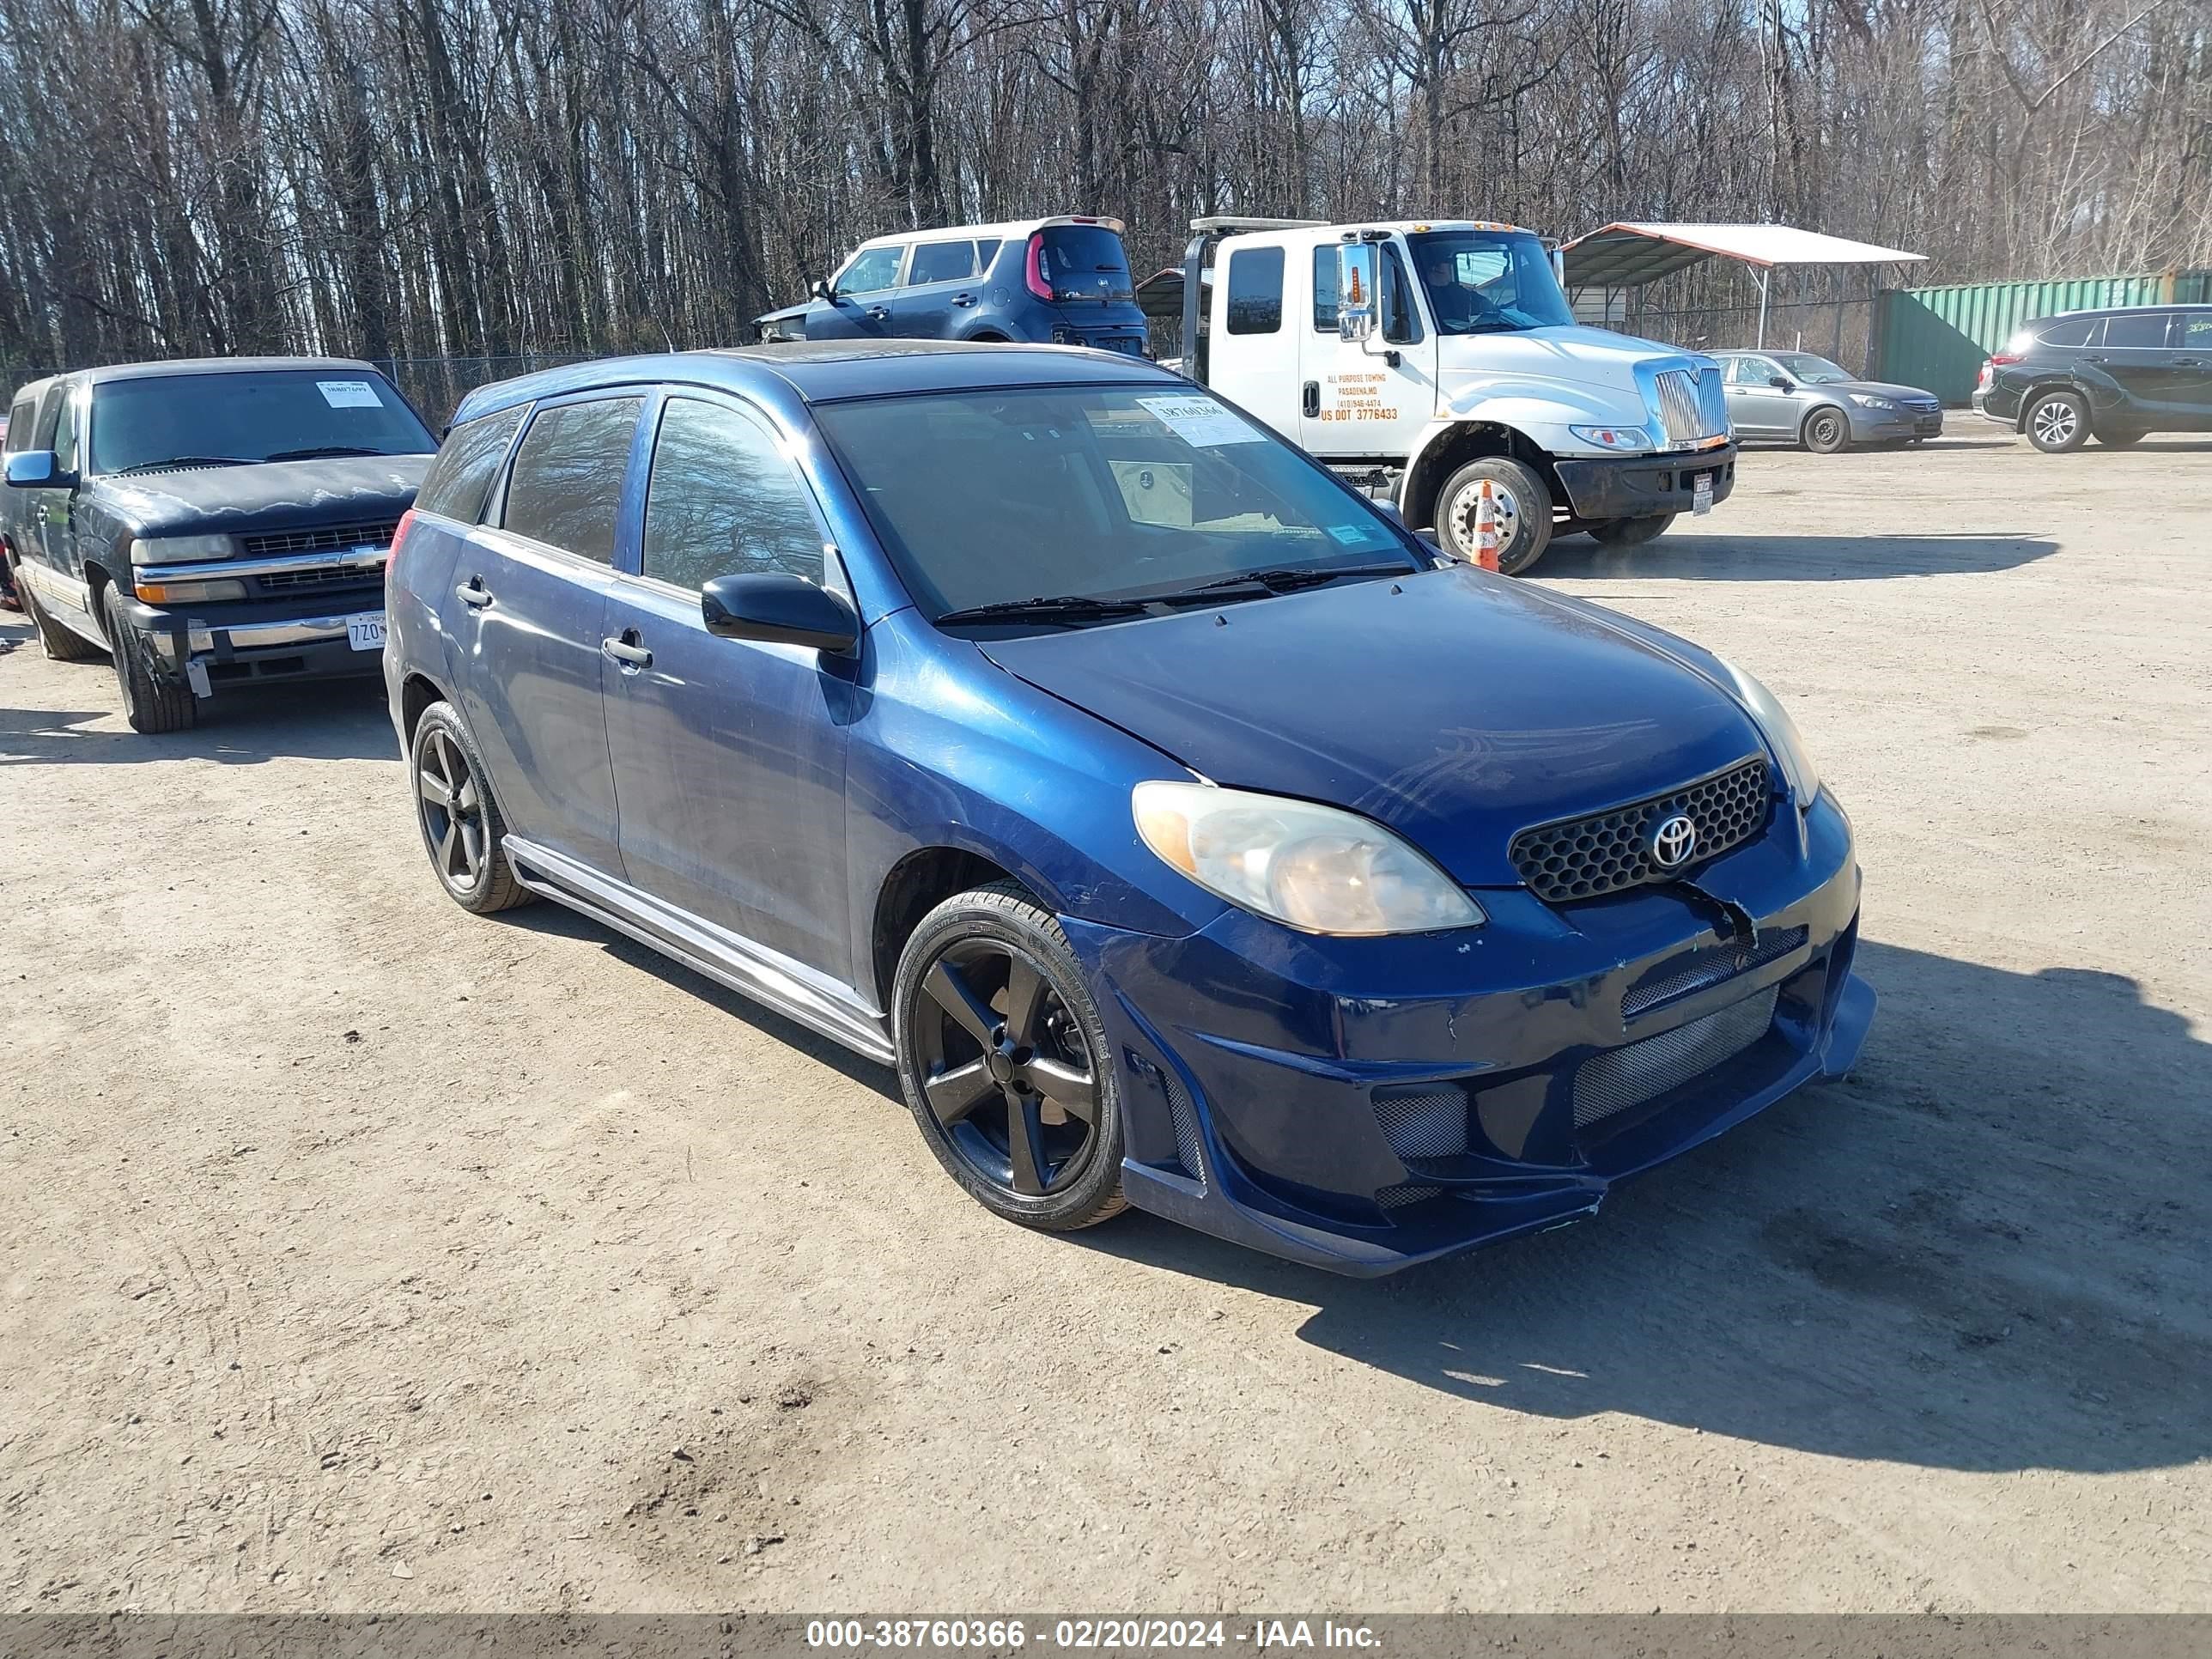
(941, 262)
(460, 479)
(2073, 332)
(1255, 290)
(723, 501)
(2135, 331)
(566, 487)
(50, 415)
(1325, 290)
(21, 421)
(876, 269)
(1084, 262)
(2194, 334)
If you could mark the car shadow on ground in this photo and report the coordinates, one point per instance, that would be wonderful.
(1678, 556)
(1987, 1251)
(560, 921)
(314, 720)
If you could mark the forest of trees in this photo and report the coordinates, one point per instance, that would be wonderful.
(482, 178)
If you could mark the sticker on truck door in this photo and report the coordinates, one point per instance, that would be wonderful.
(1201, 423)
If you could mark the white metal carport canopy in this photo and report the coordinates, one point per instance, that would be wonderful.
(1630, 255)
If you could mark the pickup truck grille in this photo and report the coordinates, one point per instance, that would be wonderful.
(1691, 406)
(332, 539)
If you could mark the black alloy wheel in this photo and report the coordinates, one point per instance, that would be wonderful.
(1000, 1057)
(462, 829)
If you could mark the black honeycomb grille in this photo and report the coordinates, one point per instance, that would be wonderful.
(1605, 852)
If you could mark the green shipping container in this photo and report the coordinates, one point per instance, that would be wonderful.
(1936, 338)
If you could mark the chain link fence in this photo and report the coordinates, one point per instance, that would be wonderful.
(1840, 330)
(435, 386)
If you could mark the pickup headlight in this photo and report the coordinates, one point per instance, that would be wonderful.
(179, 550)
(1316, 868)
(1615, 437)
(1782, 734)
(1868, 400)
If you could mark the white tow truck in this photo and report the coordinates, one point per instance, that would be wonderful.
(1419, 359)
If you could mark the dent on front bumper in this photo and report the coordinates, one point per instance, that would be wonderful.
(235, 643)
(1364, 1104)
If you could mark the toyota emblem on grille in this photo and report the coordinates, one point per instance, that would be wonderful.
(1672, 841)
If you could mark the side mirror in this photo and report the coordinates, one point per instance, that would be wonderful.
(820, 288)
(1359, 277)
(1780, 383)
(38, 469)
(779, 609)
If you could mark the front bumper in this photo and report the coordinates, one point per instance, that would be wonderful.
(1364, 1104)
(1870, 426)
(214, 646)
(1642, 486)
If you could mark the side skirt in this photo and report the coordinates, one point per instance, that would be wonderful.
(772, 980)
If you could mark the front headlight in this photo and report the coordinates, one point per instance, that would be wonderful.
(1316, 868)
(1615, 437)
(1782, 734)
(178, 549)
(1867, 400)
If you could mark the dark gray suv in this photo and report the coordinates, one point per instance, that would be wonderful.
(2117, 375)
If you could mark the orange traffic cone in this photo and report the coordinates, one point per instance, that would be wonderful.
(1485, 529)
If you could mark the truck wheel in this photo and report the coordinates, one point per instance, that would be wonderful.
(151, 701)
(1827, 431)
(2058, 423)
(1524, 512)
(62, 644)
(1630, 532)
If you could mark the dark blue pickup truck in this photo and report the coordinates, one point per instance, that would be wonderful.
(211, 524)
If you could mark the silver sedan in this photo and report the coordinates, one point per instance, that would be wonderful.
(1794, 396)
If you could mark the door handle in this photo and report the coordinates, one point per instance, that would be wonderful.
(879, 313)
(2096, 360)
(475, 592)
(626, 653)
(1312, 398)
(2189, 363)
(963, 298)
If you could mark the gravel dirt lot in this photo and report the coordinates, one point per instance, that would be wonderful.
(361, 1255)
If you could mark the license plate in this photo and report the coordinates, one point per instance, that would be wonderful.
(1701, 493)
(365, 632)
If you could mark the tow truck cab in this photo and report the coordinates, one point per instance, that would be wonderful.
(1421, 359)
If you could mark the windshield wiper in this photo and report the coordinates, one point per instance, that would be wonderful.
(321, 452)
(1279, 581)
(1064, 607)
(189, 460)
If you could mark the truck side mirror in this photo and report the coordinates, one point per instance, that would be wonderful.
(819, 290)
(38, 469)
(1359, 279)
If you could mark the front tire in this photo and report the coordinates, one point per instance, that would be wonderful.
(1524, 512)
(1826, 431)
(1005, 1063)
(462, 829)
(2058, 423)
(1630, 532)
(152, 701)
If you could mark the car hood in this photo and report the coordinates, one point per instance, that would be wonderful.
(1455, 707)
(1583, 356)
(271, 497)
(1878, 388)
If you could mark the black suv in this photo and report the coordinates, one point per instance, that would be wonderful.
(2119, 374)
(209, 524)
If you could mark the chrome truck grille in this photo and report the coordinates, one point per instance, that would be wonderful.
(1691, 407)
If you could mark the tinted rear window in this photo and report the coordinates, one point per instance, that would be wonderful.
(2073, 332)
(1085, 262)
(2135, 331)
(292, 414)
(566, 487)
(467, 462)
(20, 422)
(941, 262)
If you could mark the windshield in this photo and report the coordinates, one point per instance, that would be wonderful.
(1488, 282)
(280, 413)
(1083, 262)
(1812, 371)
(1108, 493)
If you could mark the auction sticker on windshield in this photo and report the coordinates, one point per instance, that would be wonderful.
(1201, 423)
(350, 394)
